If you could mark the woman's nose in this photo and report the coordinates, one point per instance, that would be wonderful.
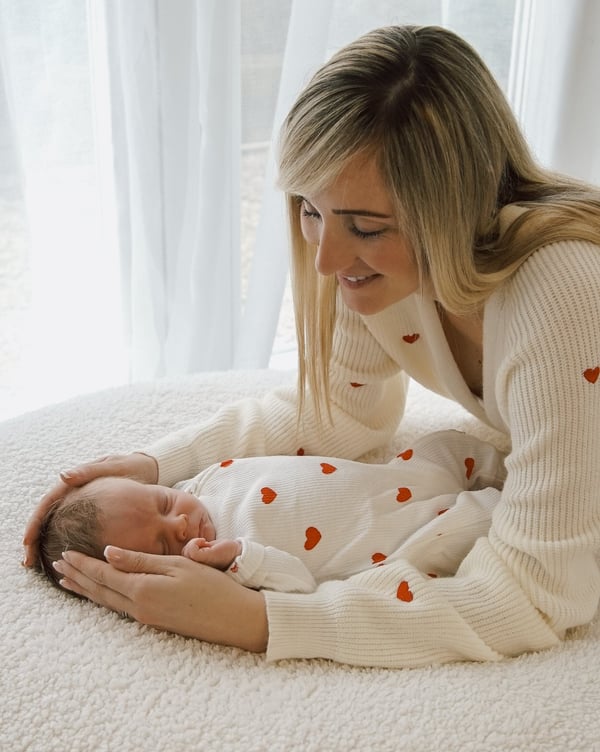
(332, 253)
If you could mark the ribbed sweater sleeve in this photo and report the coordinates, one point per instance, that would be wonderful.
(536, 573)
(368, 398)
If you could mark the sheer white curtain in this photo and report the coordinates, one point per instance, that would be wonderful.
(120, 130)
(305, 50)
(554, 82)
(62, 333)
(175, 106)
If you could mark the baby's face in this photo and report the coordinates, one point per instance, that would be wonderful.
(151, 519)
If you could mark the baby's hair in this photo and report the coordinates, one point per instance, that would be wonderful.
(73, 522)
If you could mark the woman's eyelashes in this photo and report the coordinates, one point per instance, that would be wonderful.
(364, 234)
(309, 211)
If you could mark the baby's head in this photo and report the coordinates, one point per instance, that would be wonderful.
(124, 513)
(73, 522)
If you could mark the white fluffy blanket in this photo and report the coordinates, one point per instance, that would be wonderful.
(76, 677)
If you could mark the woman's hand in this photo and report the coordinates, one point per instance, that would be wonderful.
(138, 466)
(170, 593)
(219, 554)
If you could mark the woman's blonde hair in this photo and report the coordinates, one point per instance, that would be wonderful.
(421, 102)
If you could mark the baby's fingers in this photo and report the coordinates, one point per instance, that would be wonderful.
(196, 549)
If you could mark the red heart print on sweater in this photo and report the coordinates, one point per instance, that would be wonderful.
(591, 374)
(226, 463)
(404, 494)
(313, 536)
(411, 338)
(378, 557)
(268, 495)
(406, 454)
(327, 469)
(470, 466)
(404, 593)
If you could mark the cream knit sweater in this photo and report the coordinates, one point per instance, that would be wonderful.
(535, 574)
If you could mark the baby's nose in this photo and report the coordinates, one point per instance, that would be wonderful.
(181, 527)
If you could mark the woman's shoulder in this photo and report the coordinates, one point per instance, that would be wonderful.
(562, 272)
(554, 294)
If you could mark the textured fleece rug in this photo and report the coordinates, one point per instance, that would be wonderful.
(76, 677)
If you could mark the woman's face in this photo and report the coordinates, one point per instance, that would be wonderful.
(357, 238)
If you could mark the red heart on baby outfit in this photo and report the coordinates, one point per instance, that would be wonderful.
(226, 463)
(404, 494)
(591, 374)
(327, 469)
(378, 558)
(313, 536)
(411, 338)
(300, 452)
(355, 384)
(406, 455)
(404, 593)
(470, 465)
(268, 495)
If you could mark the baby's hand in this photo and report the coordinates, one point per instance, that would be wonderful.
(219, 554)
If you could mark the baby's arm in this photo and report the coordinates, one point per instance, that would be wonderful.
(252, 564)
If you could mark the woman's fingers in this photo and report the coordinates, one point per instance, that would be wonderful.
(138, 466)
(137, 562)
(115, 584)
(34, 524)
(87, 577)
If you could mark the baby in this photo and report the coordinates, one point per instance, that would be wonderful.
(289, 523)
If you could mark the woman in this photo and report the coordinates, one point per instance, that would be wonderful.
(446, 254)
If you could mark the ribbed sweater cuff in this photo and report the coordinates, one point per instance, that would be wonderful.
(301, 626)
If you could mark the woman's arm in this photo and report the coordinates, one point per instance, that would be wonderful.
(171, 593)
(536, 574)
(367, 400)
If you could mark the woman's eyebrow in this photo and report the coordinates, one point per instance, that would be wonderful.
(362, 212)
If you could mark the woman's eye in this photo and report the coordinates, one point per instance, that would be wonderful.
(364, 234)
(308, 210)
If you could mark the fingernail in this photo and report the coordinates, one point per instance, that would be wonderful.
(65, 584)
(58, 565)
(66, 474)
(67, 556)
(112, 553)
